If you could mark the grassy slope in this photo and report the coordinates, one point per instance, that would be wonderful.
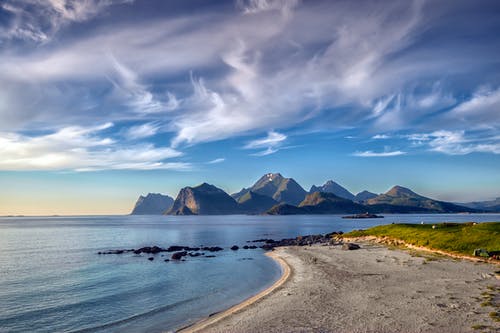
(451, 237)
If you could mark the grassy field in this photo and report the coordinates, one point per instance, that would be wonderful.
(457, 238)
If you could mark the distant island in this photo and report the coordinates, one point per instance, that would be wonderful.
(274, 194)
(363, 216)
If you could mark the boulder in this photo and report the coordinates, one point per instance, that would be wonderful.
(481, 253)
(178, 255)
(350, 246)
(235, 248)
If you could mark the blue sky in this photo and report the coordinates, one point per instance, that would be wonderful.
(101, 101)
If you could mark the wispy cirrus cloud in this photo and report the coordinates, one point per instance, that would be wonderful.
(216, 161)
(135, 94)
(457, 142)
(271, 144)
(259, 6)
(82, 149)
(39, 20)
(142, 131)
(482, 109)
(258, 66)
(381, 137)
(370, 153)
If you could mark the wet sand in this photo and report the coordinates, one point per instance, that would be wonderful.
(373, 289)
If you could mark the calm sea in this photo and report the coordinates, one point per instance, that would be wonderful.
(52, 280)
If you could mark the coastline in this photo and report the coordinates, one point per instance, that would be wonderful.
(373, 289)
(286, 272)
(396, 242)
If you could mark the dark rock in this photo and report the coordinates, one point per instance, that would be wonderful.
(363, 216)
(175, 248)
(178, 255)
(196, 254)
(262, 240)
(234, 248)
(114, 251)
(299, 241)
(350, 246)
(149, 250)
(210, 256)
(246, 247)
(166, 260)
(151, 258)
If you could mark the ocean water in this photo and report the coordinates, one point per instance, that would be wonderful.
(52, 280)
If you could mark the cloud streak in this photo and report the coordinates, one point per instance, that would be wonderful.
(370, 153)
(81, 149)
(271, 144)
(456, 142)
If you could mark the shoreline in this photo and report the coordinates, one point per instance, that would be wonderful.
(286, 272)
(372, 289)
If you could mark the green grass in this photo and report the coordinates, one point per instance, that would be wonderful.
(456, 238)
(479, 327)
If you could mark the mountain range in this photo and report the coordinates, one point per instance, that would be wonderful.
(492, 205)
(274, 194)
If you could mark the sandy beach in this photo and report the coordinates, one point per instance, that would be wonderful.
(373, 289)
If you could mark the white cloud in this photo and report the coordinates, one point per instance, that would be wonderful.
(330, 62)
(271, 144)
(39, 20)
(483, 108)
(259, 6)
(142, 131)
(135, 94)
(81, 149)
(277, 74)
(456, 142)
(272, 139)
(381, 137)
(370, 153)
(216, 161)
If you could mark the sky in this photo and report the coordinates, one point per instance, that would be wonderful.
(104, 100)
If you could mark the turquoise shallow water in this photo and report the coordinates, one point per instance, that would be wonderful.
(52, 280)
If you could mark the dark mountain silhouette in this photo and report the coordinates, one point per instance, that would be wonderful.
(403, 197)
(274, 185)
(489, 206)
(254, 203)
(364, 195)
(204, 199)
(152, 204)
(329, 203)
(332, 187)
